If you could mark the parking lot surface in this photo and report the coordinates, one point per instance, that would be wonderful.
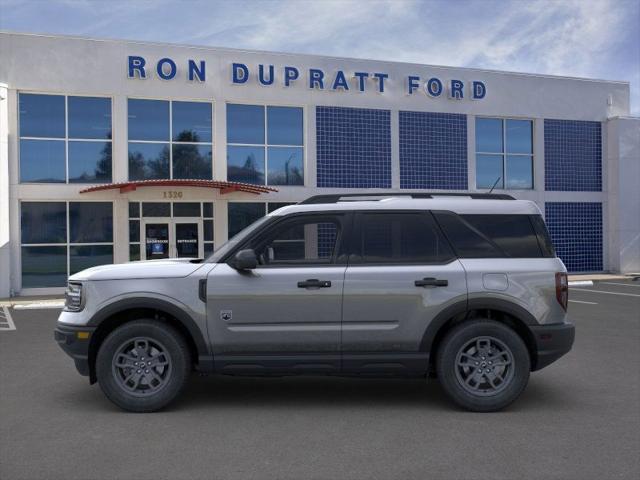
(578, 419)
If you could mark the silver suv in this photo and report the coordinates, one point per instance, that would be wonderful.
(466, 288)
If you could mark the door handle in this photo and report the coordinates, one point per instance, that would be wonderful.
(314, 283)
(431, 282)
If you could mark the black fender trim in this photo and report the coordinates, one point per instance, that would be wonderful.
(438, 322)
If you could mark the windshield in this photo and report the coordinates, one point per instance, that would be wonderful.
(239, 237)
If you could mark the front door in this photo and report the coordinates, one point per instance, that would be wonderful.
(284, 315)
(172, 238)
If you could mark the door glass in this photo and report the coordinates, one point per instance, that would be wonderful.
(187, 243)
(157, 240)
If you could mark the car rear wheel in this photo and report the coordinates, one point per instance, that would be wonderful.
(483, 365)
(143, 365)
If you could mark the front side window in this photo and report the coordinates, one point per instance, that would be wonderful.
(65, 139)
(265, 144)
(504, 153)
(170, 139)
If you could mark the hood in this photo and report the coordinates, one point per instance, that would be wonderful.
(166, 268)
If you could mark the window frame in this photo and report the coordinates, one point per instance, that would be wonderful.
(504, 154)
(170, 142)
(66, 138)
(266, 145)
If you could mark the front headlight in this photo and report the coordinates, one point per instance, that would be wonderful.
(73, 297)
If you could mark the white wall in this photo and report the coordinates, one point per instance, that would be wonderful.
(5, 251)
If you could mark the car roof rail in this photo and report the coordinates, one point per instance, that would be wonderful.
(365, 196)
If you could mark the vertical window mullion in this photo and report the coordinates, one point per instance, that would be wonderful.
(171, 139)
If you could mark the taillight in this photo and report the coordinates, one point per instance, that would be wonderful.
(562, 289)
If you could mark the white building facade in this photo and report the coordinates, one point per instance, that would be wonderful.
(112, 151)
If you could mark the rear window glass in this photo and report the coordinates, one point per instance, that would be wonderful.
(544, 240)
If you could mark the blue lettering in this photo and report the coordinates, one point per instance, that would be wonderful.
(172, 68)
(413, 84)
(290, 74)
(456, 90)
(433, 87)
(362, 77)
(340, 81)
(479, 90)
(316, 77)
(195, 71)
(261, 78)
(136, 64)
(236, 77)
(380, 77)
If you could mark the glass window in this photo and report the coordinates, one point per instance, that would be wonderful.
(285, 166)
(402, 238)
(90, 222)
(43, 222)
(208, 230)
(44, 267)
(489, 171)
(513, 234)
(544, 240)
(207, 210)
(284, 126)
(190, 209)
(245, 164)
(273, 206)
(89, 117)
(242, 215)
(245, 124)
(134, 231)
(134, 210)
(148, 119)
(192, 161)
(191, 122)
(42, 161)
(87, 256)
(89, 162)
(519, 136)
(489, 135)
(148, 161)
(134, 252)
(41, 115)
(156, 209)
(519, 172)
(467, 241)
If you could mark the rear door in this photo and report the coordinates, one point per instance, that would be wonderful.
(401, 275)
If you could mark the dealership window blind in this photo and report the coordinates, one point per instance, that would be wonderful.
(170, 139)
(265, 145)
(504, 153)
(64, 139)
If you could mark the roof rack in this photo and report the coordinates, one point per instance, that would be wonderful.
(364, 196)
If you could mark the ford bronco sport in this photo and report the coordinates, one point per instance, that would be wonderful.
(466, 288)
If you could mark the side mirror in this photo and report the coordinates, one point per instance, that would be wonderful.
(245, 260)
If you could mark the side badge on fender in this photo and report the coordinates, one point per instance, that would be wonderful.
(226, 315)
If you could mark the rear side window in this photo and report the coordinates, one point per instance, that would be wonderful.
(544, 240)
(401, 238)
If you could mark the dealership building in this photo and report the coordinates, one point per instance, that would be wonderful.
(113, 151)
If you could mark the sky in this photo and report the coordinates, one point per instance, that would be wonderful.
(579, 38)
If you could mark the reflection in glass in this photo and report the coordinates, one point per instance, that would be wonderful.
(44, 267)
(519, 172)
(89, 117)
(489, 135)
(42, 161)
(187, 242)
(157, 240)
(134, 230)
(89, 162)
(134, 252)
(43, 222)
(245, 124)
(245, 164)
(90, 222)
(208, 230)
(519, 133)
(191, 121)
(207, 210)
(148, 119)
(87, 256)
(192, 161)
(284, 126)
(488, 171)
(208, 249)
(186, 209)
(273, 206)
(242, 215)
(285, 166)
(148, 161)
(156, 209)
(41, 115)
(134, 210)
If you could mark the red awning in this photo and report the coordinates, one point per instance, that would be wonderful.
(224, 187)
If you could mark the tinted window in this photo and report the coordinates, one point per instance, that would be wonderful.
(241, 215)
(207, 210)
(44, 267)
(273, 206)
(467, 242)
(42, 161)
(401, 238)
(148, 119)
(285, 166)
(513, 234)
(134, 210)
(245, 164)
(245, 124)
(44, 222)
(191, 121)
(148, 161)
(134, 230)
(284, 126)
(544, 240)
(86, 256)
(41, 115)
(192, 161)
(89, 162)
(156, 209)
(89, 117)
(90, 222)
(186, 209)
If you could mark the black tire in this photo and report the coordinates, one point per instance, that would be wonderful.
(166, 349)
(468, 349)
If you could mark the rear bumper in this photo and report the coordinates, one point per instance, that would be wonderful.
(552, 342)
(74, 345)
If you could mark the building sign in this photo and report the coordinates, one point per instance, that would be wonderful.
(312, 78)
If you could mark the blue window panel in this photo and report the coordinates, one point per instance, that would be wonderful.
(89, 117)
(433, 150)
(148, 161)
(191, 122)
(90, 222)
(41, 115)
(192, 161)
(353, 147)
(489, 135)
(245, 124)
(284, 126)
(44, 267)
(241, 215)
(285, 166)
(43, 222)
(572, 155)
(90, 162)
(519, 172)
(245, 164)
(148, 119)
(87, 256)
(489, 171)
(576, 231)
(519, 136)
(42, 161)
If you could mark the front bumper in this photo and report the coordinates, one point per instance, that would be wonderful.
(74, 340)
(552, 342)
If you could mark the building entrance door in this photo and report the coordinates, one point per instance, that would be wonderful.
(172, 238)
